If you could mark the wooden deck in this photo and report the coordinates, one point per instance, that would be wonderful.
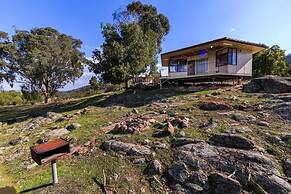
(206, 77)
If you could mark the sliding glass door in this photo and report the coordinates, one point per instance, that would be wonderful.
(201, 66)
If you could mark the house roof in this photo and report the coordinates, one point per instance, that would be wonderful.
(218, 40)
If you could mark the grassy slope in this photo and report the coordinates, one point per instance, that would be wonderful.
(81, 174)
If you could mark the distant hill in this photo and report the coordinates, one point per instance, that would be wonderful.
(80, 89)
(76, 93)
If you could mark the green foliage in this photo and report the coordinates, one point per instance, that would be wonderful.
(5, 49)
(46, 59)
(131, 44)
(30, 94)
(270, 62)
(94, 84)
(10, 98)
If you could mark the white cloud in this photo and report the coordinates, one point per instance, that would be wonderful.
(232, 29)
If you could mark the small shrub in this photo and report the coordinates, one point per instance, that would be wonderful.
(10, 98)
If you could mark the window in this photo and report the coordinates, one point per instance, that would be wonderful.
(172, 68)
(226, 56)
(178, 66)
(201, 66)
(182, 68)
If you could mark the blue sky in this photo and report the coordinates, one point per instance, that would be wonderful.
(192, 21)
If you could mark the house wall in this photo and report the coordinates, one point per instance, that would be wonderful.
(178, 74)
(243, 67)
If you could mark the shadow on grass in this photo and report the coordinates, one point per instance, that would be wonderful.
(130, 99)
(35, 188)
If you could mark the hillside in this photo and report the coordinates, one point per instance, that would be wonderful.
(193, 140)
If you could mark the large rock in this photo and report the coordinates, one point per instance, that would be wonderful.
(232, 141)
(221, 184)
(269, 84)
(208, 158)
(183, 141)
(287, 166)
(193, 188)
(198, 177)
(154, 167)
(167, 130)
(285, 98)
(213, 106)
(58, 132)
(53, 115)
(178, 172)
(287, 138)
(283, 110)
(243, 118)
(131, 125)
(128, 148)
(272, 184)
(180, 121)
(121, 128)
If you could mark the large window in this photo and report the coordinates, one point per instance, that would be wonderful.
(178, 66)
(201, 66)
(227, 56)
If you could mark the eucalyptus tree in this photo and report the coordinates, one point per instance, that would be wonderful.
(46, 60)
(131, 43)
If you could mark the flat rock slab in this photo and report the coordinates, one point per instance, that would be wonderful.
(243, 117)
(58, 132)
(209, 159)
(269, 84)
(232, 141)
(283, 110)
(219, 184)
(128, 148)
(211, 106)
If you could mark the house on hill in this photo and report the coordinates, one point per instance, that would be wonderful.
(216, 60)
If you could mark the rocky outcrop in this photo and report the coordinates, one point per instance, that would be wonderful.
(167, 130)
(179, 172)
(57, 132)
(180, 121)
(183, 141)
(53, 115)
(220, 184)
(287, 166)
(269, 84)
(243, 118)
(213, 106)
(196, 163)
(128, 148)
(287, 138)
(154, 167)
(131, 126)
(283, 110)
(232, 141)
(273, 184)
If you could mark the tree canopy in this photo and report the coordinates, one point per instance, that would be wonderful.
(131, 43)
(45, 59)
(6, 48)
(270, 62)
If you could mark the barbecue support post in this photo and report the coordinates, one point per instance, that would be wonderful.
(54, 171)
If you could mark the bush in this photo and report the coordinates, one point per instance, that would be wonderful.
(30, 95)
(10, 98)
